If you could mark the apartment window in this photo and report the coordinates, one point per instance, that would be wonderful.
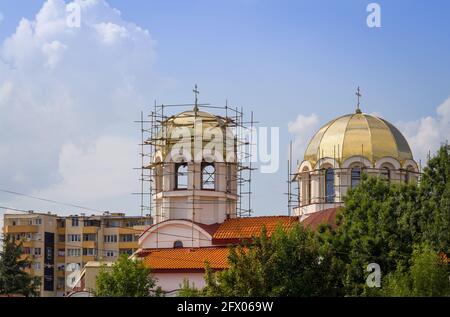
(61, 267)
(36, 266)
(89, 251)
(110, 253)
(90, 237)
(38, 221)
(73, 252)
(61, 252)
(110, 238)
(74, 237)
(37, 251)
(112, 224)
(75, 222)
(92, 223)
(26, 251)
(126, 238)
(61, 238)
(13, 222)
(126, 251)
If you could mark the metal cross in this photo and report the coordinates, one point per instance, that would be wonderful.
(196, 93)
(358, 94)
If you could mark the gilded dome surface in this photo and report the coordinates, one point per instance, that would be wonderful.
(358, 134)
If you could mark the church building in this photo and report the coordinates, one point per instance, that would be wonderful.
(194, 170)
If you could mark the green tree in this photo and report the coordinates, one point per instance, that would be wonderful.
(188, 290)
(13, 278)
(428, 275)
(289, 263)
(381, 222)
(126, 278)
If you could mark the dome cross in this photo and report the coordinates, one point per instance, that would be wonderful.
(358, 95)
(196, 93)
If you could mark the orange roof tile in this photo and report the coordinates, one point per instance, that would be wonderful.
(186, 258)
(248, 227)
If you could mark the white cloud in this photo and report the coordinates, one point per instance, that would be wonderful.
(64, 93)
(427, 134)
(303, 129)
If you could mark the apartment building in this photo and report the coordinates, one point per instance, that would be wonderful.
(59, 247)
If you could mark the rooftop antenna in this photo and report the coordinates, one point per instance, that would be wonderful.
(358, 95)
(196, 93)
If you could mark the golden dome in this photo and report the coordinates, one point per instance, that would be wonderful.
(358, 134)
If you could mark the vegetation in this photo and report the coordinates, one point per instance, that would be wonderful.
(401, 227)
(13, 278)
(126, 278)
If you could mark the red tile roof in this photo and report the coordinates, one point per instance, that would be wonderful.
(237, 229)
(327, 216)
(185, 259)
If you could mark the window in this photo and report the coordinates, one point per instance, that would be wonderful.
(26, 250)
(75, 222)
(92, 223)
(110, 238)
(112, 224)
(61, 252)
(229, 178)
(73, 252)
(356, 176)
(329, 185)
(126, 238)
(89, 252)
(181, 176)
(208, 175)
(74, 237)
(386, 174)
(126, 251)
(61, 238)
(36, 266)
(178, 244)
(110, 253)
(38, 221)
(37, 251)
(89, 237)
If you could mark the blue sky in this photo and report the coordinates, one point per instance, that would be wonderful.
(280, 59)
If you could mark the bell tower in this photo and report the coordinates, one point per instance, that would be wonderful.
(194, 168)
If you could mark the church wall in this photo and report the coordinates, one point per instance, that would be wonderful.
(170, 282)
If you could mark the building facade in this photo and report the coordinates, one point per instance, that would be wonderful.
(59, 247)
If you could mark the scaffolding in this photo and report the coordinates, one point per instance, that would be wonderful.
(154, 137)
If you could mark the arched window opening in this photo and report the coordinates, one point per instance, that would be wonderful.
(229, 179)
(181, 176)
(178, 244)
(208, 176)
(409, 175)
(355, 176)
(329, 185)
(386, 174)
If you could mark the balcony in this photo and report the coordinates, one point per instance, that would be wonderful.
(21, 229)
(87, 258)
(90, 229)
(89, 244)
(128, 245)
(128, 231)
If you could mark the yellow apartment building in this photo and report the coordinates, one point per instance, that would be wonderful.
(59, 247)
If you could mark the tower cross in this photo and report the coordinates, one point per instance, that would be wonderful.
(358, 95)
(196, 93)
